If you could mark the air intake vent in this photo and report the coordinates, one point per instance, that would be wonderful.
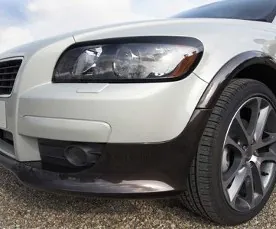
(8, 73)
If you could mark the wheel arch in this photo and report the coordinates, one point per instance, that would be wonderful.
(245, 65)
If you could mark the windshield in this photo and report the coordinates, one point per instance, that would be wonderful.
(256, 10)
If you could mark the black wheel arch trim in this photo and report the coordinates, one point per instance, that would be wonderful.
(229, 71)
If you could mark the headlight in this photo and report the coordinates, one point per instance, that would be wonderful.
(130, 60)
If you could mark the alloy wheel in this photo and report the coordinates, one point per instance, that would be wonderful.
(249, 154)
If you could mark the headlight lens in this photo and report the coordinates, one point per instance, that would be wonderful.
(125, 62)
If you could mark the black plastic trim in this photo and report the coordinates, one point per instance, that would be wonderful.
(125, 170)
(189, 41)
(52, 153)
(229, 71)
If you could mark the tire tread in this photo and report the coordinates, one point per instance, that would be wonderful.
(197, 197)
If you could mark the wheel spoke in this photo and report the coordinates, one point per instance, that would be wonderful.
(244, 202)
(232, 172)
(255, 108)
(249, 189)
(234, 145)
(267, 156)
(237, 183)
(271, 139)
(261, 122)
(242, 128)
(256, 174)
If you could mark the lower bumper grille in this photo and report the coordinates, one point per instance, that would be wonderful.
(53, 157)
(6, 143)
(6, 137)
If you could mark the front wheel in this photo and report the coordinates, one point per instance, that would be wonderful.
(233, 174)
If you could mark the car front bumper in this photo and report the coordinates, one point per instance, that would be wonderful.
(139, 125)
(123, 169)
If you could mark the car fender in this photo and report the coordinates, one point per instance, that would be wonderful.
(229, 71)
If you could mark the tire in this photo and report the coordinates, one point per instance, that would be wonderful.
(204, 193)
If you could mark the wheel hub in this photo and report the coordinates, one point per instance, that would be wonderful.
(249, 153)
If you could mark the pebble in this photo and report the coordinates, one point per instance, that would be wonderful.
(22, 207)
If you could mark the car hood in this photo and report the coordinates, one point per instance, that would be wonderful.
(31, 47)
(165, 27)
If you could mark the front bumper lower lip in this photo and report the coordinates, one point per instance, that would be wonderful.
(123, 169)
(29, 174)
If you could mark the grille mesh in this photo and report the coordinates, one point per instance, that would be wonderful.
(8, 73)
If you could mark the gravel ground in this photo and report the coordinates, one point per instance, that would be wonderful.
(22, 207)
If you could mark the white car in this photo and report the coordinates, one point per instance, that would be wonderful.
(181, 106)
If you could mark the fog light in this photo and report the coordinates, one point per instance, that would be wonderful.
(81, 156)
